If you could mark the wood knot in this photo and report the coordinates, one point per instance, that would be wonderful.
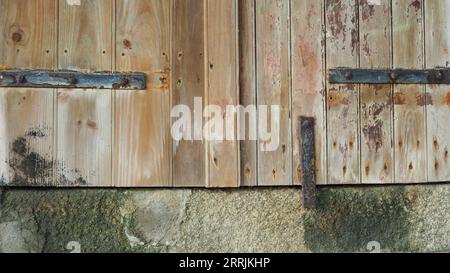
(127, 44)
(17, 37)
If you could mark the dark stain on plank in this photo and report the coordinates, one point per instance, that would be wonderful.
(367, 10)
(29, 167)
(374, 135)
(416, 4)
(33, 169)
(334, 12)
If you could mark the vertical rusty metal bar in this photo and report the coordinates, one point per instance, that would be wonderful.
(307, 144)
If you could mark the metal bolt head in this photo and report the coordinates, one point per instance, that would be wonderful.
(439, 75)
(393, 76)
(22, 79)
(73, 80)
(348, 75)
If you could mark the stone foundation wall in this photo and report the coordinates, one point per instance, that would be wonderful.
(398, 218)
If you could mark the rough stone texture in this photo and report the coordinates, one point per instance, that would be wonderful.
(399, 218)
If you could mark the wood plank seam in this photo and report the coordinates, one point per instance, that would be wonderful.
(424, 65)
(325, 91)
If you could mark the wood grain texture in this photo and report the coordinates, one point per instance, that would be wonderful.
(308, 81)
(142, 141)
(188, 68)
(247, 89)
(437, 41)
(83, 117)
(375, 105)
(342, 100)
(27, 40)
(223, 90)
(274, 88)
(409, 100)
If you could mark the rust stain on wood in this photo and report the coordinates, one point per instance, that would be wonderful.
(399, 98)
(424, 99)
(446, 99)
(336, 99)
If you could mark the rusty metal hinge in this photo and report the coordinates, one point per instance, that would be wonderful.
(389, 76)
(72, 79)
(308, 161)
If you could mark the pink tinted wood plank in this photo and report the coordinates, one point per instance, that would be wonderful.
(273, 88)
(375, 106)
(223, 90)
(142, 141)
(308, 81)
(437, 41)
(409, 109)
(343, 100)
(83, 117)
(247, 90)
(27, 40)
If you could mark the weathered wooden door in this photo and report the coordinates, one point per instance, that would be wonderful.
(223, 52)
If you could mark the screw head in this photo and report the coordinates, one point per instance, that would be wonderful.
(22, 79)
(439, 75)
(393, 76)
(348, 75)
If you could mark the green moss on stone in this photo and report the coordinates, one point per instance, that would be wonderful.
(95, 219)
(348, 219)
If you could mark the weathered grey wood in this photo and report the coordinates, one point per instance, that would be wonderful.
(376, 100)
(409, 100)
(342, 100)
(308, 81)
(247, 89)
(437, 52)
(274, 88)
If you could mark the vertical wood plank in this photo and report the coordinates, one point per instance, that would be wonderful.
(27, 40)
(84, 116)
(410, 100)
(188, 66)
(142, 142)
(342, 100)
(375, 106)
(247, 89)
(223, 89)
(308, 81)
(274, 88)
(437, 41)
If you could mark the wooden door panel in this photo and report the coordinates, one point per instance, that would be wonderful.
(223, 52)
(28, 31)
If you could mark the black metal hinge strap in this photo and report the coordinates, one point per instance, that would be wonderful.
(72, 79)
(389, 76)
(307, 145)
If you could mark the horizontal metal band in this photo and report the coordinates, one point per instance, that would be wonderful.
(72, 79)
(389, 76)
